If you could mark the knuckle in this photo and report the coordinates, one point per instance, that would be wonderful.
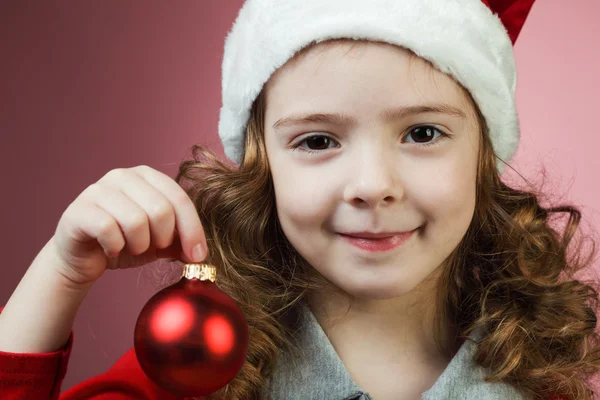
(160, 211)
(181, 199)
(91, 191)
(68, 212)
(116, 173)
(142, 168)
(106, 227)
(137, 220)
(72, 214)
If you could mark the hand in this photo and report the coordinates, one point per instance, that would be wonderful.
(129, 218)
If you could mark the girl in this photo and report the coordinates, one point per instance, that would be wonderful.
(366, 233)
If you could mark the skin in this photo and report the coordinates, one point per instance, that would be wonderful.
(373, 175)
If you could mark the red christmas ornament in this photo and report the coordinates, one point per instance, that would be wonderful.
(191, 339)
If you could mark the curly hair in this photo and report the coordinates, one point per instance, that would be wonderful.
(511, 275)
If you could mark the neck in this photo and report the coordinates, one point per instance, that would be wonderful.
(384, 330)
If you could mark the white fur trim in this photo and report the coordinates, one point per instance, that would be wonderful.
(462, 38)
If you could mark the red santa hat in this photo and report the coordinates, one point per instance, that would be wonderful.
(471, 40)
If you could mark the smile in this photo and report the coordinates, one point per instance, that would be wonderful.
(378, 245)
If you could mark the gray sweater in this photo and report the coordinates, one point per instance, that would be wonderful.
(321, 375)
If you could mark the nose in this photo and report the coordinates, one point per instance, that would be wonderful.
(373, 179)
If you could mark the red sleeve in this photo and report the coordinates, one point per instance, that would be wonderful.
(33, 376)
(125, 380)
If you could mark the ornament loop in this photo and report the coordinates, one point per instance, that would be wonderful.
(202, 272)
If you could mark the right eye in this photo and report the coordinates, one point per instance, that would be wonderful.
(315, 143)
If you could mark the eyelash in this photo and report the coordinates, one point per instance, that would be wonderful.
(433, 143)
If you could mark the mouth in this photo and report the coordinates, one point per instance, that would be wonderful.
(377, 242)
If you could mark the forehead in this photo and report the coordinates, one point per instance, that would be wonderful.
(329, 69)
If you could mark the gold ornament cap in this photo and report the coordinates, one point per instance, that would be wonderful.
(203, 272)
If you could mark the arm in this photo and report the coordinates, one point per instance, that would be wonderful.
(39, 315)
(36, 339)
(33, 376)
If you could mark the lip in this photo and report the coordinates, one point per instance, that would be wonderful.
(377, 242)
(370, 235)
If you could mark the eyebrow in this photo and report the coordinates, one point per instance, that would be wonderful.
(386, 115)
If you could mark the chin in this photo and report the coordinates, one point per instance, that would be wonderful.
(378, 291)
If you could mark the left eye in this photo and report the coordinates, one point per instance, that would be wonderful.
(425, 132)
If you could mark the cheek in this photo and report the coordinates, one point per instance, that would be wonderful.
(304, 197)
(448, 200)
(304, 205)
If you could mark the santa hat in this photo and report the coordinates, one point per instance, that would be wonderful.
(471, 40)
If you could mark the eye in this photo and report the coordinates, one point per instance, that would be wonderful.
(315, 143)
(424, 133)
(421, 134)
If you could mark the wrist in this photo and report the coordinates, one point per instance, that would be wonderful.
(50, 264)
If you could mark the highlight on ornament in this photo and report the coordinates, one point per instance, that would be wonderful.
(191, 338)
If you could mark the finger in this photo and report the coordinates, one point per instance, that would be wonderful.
(187, 221)
(131, 218)
(97, 225)
(159, 211)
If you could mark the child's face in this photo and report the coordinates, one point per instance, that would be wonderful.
(372, 175)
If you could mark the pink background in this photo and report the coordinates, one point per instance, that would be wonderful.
(92, 86)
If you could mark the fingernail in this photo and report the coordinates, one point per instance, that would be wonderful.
(198, 252)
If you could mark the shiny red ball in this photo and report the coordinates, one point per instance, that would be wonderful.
(191, 339)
